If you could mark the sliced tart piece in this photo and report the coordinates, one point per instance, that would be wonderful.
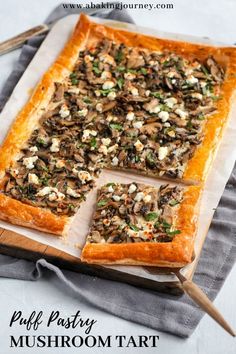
(141, 225)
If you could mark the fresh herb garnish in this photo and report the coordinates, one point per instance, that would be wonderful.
(40, 141)
(96, 70)
(44, 181)
(165, 224)
(87, 100)
(102, 202)
(119, 56)
(173, 202)
(157, 95)
(173, 233)
(151, 216)
(106, 92)
(205, 71)
(120, 68)
(151, 159)
(133, 227)
(120, 83)
(116, 126)
(93, 142)
(143, 71)
(201, 116)
(74, 80)
(111, 184)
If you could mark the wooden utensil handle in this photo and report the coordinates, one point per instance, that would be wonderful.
(20, 39)
(202, 300)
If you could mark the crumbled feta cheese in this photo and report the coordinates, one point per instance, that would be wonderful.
(108, 85)
(44, 191)
(52, 196)
(138, 125)
(153, 106)
(147, 93)
(132, 188)
(110, 118)
(170, 102)
(134, 91)
(84, 176)
(181, 113)
(188, 71)
(60, 164)
(191, 80)
(28, 162)
(106, 58)
(197, 95)
(105, 75)
(75, 171)
(115, 161)
(171, 74)
(164, 116)
(83, 112)
(72, 192)
(74, 90)
(147, 198)
(130, 116)
(152, 62)
(33, 178)
(116, 198)
(103, 149)
(33, 149)
(56, 195)
(162, 152)
(111, 95)
(106, 141)
(99, 107)
(14, 171)
(110, 189)
(64, 111)
(129, 76)
(97, 93)
(87, 133)
(88, 58)
(113, 148)
(53, 193)
(171, 133)
(166, 124)
(55, 145)
(139, 146)
(139, 196)
(60, 196)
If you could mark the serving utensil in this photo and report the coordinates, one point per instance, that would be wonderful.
(18, 41)
(197, 295)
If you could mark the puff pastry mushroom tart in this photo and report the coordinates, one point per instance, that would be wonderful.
(120, 100)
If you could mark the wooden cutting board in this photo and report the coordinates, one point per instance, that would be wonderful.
(16, 245)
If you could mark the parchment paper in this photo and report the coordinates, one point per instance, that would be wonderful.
(216, 181)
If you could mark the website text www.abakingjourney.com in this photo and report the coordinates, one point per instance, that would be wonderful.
(119, 6)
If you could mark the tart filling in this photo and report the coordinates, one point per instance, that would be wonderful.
(121, 107)
(134, 212)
